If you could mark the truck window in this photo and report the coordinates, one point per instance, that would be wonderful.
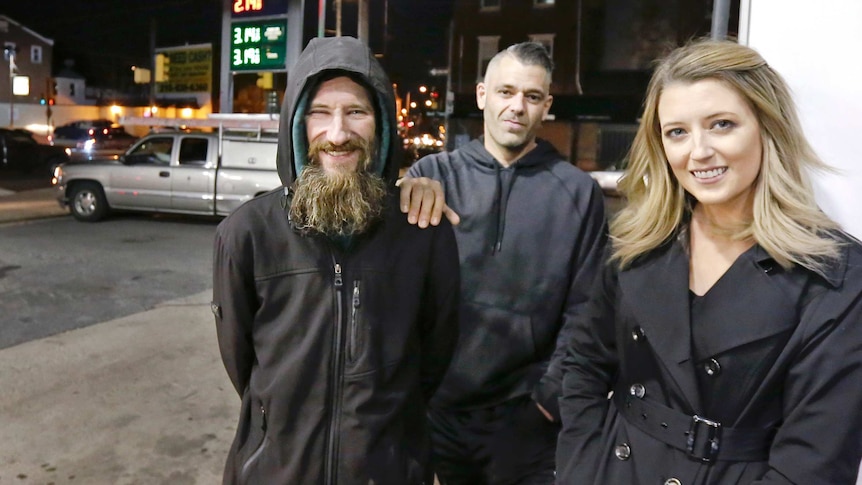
(153, 151)
(193, 151)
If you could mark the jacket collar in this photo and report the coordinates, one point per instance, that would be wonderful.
(658, 286)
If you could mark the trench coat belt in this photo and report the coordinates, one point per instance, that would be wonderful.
(702, 438)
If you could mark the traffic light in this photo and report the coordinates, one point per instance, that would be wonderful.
(163, 68)
(50, 101)
(43, 101)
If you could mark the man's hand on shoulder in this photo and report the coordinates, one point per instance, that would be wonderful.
(423, 201)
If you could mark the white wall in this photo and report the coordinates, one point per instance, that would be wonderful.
(816, 47)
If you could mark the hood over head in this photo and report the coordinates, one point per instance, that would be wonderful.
(325, 58)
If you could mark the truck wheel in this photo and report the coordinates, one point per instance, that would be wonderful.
(88, 203)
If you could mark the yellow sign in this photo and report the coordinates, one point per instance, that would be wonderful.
(184, 70)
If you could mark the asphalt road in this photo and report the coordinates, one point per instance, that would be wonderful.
(17, 181)
(59, 274)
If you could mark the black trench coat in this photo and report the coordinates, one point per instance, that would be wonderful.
(775, 359)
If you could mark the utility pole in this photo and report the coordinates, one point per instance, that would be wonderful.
(152, 63)
(338, 18)
(362, 25)
(321, 18)
(578, 87)
(720, 18)
(10, 53)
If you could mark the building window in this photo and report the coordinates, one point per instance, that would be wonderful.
(36, 54)
(546, 40)
(72, 89)
(489, 4)
(543, 3)
(487, 49)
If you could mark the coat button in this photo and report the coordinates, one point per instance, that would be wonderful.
(672, 481)
(712, 368)
(638, 334)
(623, 452)
(637, 390)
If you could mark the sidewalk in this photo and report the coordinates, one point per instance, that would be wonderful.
(143, 399)
(29, 204)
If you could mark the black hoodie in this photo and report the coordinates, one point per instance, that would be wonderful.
(334, 353)
(530, 240)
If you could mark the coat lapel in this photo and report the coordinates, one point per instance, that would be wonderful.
(659, 303)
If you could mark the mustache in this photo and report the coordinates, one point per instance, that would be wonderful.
(366, 148)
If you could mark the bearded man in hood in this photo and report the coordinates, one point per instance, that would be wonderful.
(335, 316)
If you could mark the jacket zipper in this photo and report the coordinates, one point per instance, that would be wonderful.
(353, 345)
(331, 461)
(254, 456)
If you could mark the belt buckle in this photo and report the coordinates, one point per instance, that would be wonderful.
(710, 446)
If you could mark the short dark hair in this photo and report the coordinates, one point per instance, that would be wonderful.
(527, 53)
(532, 54)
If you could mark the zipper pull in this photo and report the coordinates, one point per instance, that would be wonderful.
(338, 281)
(355, 294)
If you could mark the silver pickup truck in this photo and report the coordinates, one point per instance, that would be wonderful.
(174, 171)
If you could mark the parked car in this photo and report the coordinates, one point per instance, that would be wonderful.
(91, 139)
(20, 151)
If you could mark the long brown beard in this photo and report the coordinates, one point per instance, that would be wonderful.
(336, 204)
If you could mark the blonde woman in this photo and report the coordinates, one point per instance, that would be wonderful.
(727, 325)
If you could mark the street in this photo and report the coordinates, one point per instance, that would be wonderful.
(59, 274)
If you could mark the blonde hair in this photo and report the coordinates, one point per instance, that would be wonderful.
(785, 221)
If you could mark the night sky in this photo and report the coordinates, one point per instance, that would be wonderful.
(107, 37)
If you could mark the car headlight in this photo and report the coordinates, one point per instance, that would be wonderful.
(58, 175)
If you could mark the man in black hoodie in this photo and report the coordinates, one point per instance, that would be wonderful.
(335, 317)
(530, 240)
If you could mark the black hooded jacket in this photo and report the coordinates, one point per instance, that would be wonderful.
(335, 353)
(531, 240)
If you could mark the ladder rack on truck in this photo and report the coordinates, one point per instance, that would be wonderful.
(260, 123)
(236, 127)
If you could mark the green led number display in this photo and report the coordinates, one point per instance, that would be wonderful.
(256, 46)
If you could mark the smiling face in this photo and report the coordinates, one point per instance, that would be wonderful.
(712, 141)
(514, 98)
(340, 125)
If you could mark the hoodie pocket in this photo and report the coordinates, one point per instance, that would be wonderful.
(496, 350)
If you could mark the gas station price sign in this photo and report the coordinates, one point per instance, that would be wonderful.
(258, 45)
(257, 8)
